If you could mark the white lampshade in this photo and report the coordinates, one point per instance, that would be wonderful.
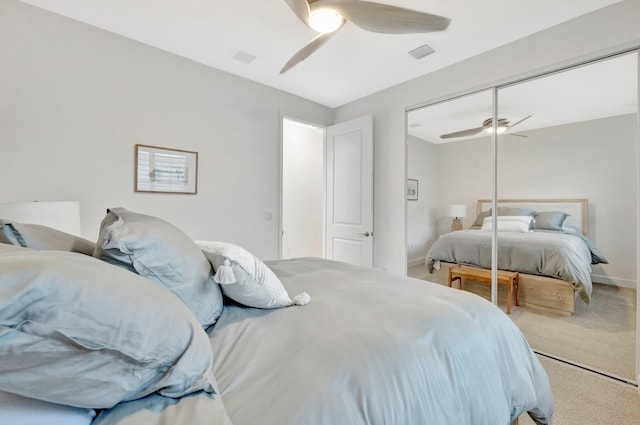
(60, 215)
(457, 210)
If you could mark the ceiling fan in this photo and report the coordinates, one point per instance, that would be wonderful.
(487, 125)
(328, 16)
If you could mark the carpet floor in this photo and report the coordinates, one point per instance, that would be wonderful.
(582, 397)
(600, 336)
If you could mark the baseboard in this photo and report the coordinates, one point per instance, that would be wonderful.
(616, 281)
(415, 262)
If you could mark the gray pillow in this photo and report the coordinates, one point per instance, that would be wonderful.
(161, 252)
(550, 220)
(480, 219)
(81, 332)
(36, 236)
(514, 211)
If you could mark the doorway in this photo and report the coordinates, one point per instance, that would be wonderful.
(303, 190)
(327, 191)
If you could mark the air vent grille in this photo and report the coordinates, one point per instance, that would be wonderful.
(422, 51)
(243, 56)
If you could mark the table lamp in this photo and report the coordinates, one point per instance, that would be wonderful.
(457, 211)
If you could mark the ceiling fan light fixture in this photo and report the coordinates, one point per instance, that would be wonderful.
(325, 20)
(502, 125)
(501, 129)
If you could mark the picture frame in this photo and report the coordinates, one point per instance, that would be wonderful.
(412, 190)
(165, 170)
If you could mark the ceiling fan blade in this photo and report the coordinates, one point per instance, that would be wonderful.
(463, 133)
(519, 135)
(308, 49)
(300, 8)
(518, 122)
(385, 18)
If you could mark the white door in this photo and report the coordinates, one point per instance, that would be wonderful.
(349, 228)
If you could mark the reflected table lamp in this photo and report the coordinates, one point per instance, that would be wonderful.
(457, 211)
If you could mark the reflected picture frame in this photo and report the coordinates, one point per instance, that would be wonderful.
(412, 190)
(165, 170)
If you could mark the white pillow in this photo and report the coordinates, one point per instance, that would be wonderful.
(18, 410)
(510, 223)
(246, 279)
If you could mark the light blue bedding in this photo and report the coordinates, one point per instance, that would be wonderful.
(370, 348)
(561, 255)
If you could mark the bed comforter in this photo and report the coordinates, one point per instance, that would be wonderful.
(370, 348)
(560, 255)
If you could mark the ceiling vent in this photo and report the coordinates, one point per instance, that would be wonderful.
(242, 56)
(421, 51)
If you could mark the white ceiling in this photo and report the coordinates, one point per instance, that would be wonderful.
(353, 64)
(602, 89)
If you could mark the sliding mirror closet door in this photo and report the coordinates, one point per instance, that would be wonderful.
(449, 168)
(567, 199)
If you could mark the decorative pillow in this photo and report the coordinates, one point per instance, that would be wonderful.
(246, 279)
(18, 410)
(507, 223)
(36, 236)
(161, 252)
(550, 220)
(81, 332)
(502, 211)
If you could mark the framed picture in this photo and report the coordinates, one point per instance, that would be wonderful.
(412, 190)
(164, 170)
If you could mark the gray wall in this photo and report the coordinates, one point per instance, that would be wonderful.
(592, 159)
(74, 100)
(607, 29)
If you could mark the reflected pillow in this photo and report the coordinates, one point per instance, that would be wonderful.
(520, 224)
(161, 252)
(36, 236)
(480, 219)
(81, 332)
(245, 279)
(550, 220)
(515, 211)
(18, 410)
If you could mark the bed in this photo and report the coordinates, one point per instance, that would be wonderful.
(355, 346)
(553, 254)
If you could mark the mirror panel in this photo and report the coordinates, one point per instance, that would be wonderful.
(450, 160)
(572, 136)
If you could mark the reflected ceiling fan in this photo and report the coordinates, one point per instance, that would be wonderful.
(328, 16)
(487, 125)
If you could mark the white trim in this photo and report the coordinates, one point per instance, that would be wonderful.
(615, 281)
(415, 262)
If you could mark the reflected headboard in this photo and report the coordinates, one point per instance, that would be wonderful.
(578, 209)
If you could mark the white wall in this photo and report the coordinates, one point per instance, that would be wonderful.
(302, 190)
(591, 159)
(424, 166)
(607, 29)
(75, 99)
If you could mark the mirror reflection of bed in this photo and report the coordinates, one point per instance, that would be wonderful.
(554, 262)
(579, 146)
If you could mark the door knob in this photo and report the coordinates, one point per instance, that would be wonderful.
(366, 234)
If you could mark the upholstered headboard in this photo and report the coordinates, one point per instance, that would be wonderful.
(578, 209)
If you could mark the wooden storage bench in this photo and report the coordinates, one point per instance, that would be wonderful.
(458, 272)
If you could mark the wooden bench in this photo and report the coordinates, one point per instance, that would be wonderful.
(512, 279)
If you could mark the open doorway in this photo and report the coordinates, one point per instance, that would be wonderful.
(303, 190)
